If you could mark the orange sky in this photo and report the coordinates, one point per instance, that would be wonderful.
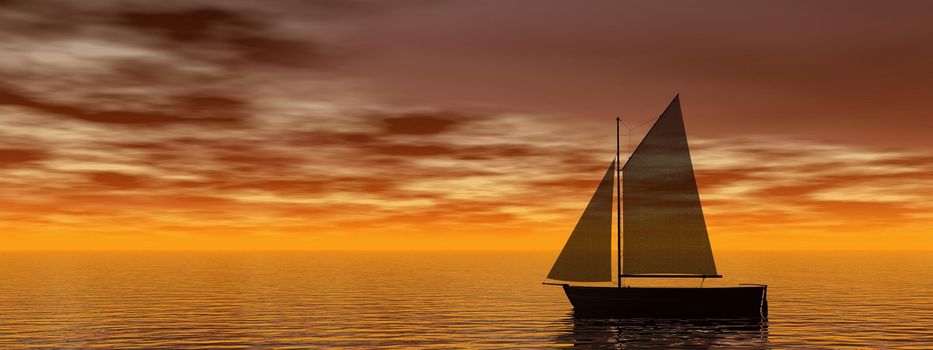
(454, 125)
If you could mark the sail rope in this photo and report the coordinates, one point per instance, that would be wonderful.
(636, 127)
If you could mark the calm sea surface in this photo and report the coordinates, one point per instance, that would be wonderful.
(435, 300)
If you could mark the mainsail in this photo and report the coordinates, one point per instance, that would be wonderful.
(587, 256)
(665, 232)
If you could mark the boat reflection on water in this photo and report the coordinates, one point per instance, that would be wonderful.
(645, 333)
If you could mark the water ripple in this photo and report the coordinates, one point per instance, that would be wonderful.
(433, 300)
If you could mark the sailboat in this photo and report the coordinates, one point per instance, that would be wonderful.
(665, 237)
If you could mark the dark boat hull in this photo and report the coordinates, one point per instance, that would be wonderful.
(669, 302)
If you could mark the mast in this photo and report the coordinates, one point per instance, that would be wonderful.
(618, 205)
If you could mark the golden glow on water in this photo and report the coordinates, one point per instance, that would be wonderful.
(433, 300)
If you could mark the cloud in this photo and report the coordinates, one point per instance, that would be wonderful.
(420, 123)
(109, 179)
(170, 118)
(183, 109)
(810, 184)
(187, 25)
(332, 168)
(381, 163)
(864, 70)
(248, 38)
(19, 156)
(147, 64)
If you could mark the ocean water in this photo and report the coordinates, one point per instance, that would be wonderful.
(435, 300)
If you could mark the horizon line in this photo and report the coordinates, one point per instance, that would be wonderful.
(423, 250)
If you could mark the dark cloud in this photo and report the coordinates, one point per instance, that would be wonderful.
(251, 159)
(158, 63)
(422, 123)
(280, 51)
(184, 109)
(331, 138)
(499, 151)
(414, 150)
(211, 108)
(453, 151)
(248, 37)
(109, 179)
(358, 138)
(209, 32)
(10, 156)
(504, 151)
(420, 134)
(316, 185)
(389, 125)
(190, 25)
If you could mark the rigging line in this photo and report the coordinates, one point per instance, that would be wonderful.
(636, 127)
(629, 150)
(639, 125)
(643, 124)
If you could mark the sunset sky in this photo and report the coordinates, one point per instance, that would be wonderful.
(454, 124)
